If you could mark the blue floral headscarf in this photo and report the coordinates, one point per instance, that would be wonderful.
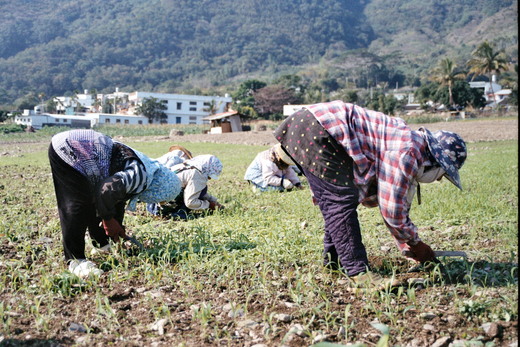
(161, 183)
(449, 151)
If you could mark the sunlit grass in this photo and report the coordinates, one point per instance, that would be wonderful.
(263, 255)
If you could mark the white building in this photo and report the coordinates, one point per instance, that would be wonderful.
(38, 120)
(66, 104)
(180, 108)
(490, 90)
(290, 109)
(184, 109)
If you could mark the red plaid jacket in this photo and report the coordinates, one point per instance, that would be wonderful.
(387, 155)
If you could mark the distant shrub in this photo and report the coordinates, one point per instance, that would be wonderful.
(151, 129)
(424, 118)
(11, 128)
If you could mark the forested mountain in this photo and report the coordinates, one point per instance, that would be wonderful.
(54, 47)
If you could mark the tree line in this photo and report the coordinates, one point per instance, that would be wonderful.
(447, 84)
(206, 46)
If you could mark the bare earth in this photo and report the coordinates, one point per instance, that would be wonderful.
(133, 318)
(470, 130)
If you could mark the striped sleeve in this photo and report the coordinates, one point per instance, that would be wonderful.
(133, 177)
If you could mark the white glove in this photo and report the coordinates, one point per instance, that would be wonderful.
(287, 184)
(84, 268)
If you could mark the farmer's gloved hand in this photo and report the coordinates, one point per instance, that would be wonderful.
(421, 252)
(287, 184)
(213, 205)
(114, 229)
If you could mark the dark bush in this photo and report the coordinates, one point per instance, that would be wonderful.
(11, 128)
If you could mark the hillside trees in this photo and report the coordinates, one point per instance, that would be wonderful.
(162, 46)
(130, 43)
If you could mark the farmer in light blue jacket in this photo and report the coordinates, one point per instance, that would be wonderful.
(271, 170)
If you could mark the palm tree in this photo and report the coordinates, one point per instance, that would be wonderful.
(212, 107)
(41, 96)
(58, 101)
(486, 60)
(446, 73)
(97, 104)
(74, 99)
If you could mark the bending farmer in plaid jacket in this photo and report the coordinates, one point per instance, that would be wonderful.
(351, 155)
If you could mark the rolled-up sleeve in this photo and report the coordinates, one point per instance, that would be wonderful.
(395, 175)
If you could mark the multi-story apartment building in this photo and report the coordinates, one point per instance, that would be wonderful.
(84, 110)
(184, 109)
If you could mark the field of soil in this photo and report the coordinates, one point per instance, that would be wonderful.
(471, 131)
(124, 312)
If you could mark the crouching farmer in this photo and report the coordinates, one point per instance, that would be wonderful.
(271, 170)
(351, 155)
(94, 176)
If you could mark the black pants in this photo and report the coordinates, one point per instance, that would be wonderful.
(329, 171)
(76, 208)
(342, 242)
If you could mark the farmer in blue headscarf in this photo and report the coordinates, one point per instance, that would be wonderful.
(94, 176)
(194, 198)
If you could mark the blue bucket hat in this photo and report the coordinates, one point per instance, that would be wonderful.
(449, 151)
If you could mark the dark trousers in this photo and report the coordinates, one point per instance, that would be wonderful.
(76, 208)
(342, 240)
(329, 171)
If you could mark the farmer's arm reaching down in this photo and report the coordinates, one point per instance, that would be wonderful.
(114, 190)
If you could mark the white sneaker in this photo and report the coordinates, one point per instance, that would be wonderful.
(101, 250)
(84, 268)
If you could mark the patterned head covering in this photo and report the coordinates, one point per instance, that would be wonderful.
(161, 184)
(209, 165)
(449, 151)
